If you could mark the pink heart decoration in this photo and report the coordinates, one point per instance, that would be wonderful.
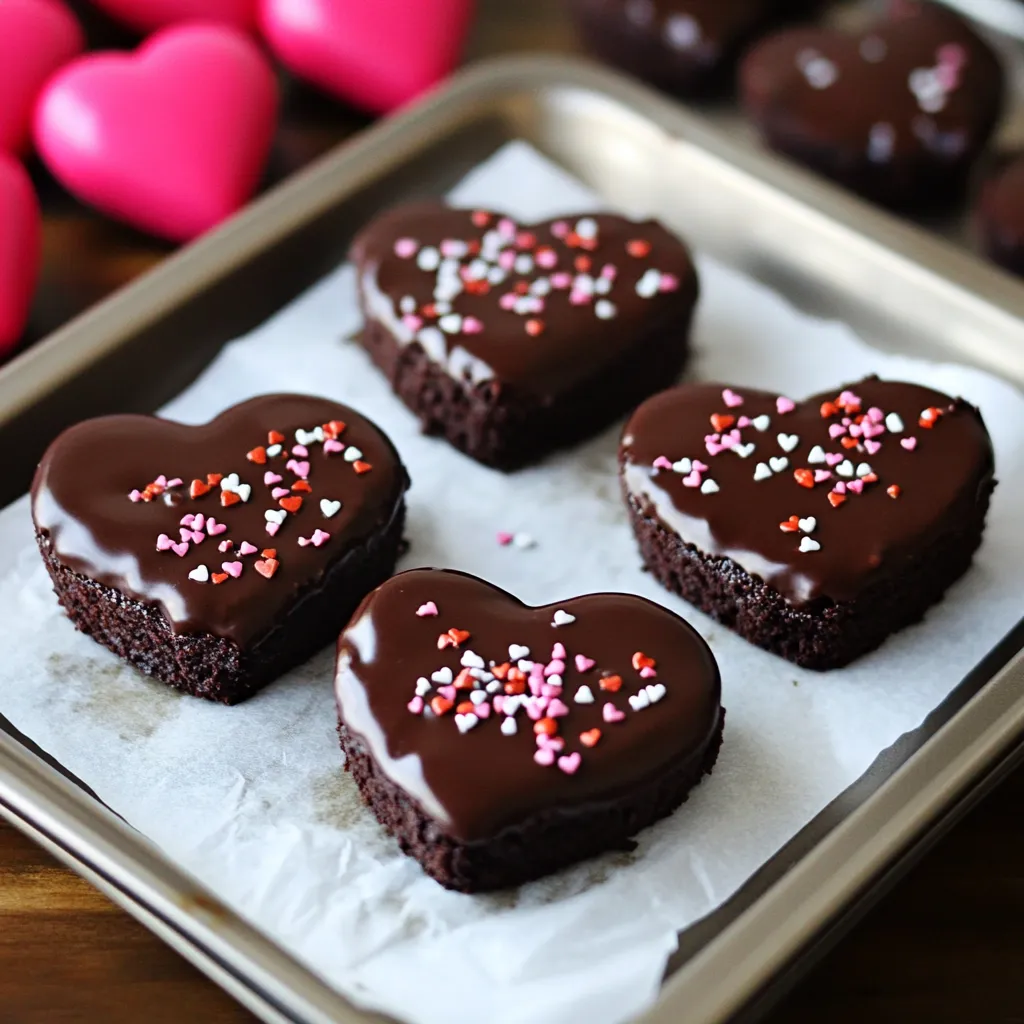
(149, 15)
(36, 38)
(374, 54)
(20, 242)
(171, 138)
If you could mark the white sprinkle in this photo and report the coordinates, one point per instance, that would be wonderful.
(523, 264)
(761, 472)
(494, 686)
(817, 454)
(709, 487)
(787, 442)
(517, 652)
(428, 258)
(274, 449)
(478, 696)
(655, 691)
(584, 695)
(508, 727)
(477, 269)
(275, 515)
(584, 284)
(761, 422)
(329, 508)
(512, 704)
(524, 665)
(229, 482)
(541, 287)
(603, 285)
(443, 676)
(808, 524)
(466, 722)
(422, 686)
(778, 463)
(820, 72)
(744, 450)
(586, 228)
(864, 469)
(470, 659)
(808, 544)
(433, 343)
(496, 275)
(451, 323)
(682, 466)
(200, 574)
(893, 423)
(604, 310)
(845, 468)
(563, 618)
(649, 285)
(639, 701)
(352, 454)
(407, 304)
(524, 541)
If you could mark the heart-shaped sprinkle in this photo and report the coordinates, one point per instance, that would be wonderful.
(232, 568)
(610, 713)
(778, 463)
(570, 763)
(583, 663)
(245, 548)
(266, 566)
(329, 508)
(428, 608)
(731, 399)
(909, 443)
(201, 574)
(562, 618)
(584, 695)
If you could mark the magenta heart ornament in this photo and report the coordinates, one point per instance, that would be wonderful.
(36, 38)
(19, 250)
(149, 15)
(171, 138)
(374, 54)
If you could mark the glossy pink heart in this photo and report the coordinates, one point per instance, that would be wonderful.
(171, 138)
(19, 250)
(36, 38)
(148, 15)
(375, 54)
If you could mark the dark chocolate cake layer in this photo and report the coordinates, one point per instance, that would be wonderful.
(215, 557)
(814, 529)
(500, 742)
(513, 340)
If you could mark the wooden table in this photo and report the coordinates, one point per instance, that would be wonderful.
(946, 946)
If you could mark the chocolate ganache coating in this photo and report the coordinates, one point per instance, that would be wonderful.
(898, 111)
(819, 499)
(476, 781)
(113, 497)
(536, 307)
(999, 214)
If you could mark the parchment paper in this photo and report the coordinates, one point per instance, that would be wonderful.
(253, 799)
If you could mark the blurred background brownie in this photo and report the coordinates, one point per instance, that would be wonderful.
(999, 214)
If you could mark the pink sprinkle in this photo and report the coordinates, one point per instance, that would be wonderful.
(273, 478)
(213, 528)
(535, 710)
(279, 492)
(180, 549)
(743, 421)
(546, 742)
(555, 668)
(731, 439)
(448, 692)
(135, 495)
(482, 710)
(505, 538)
(856, 486)
(849, 398)
(560, 229)
(508, 300)
(692, 479)
(507, 259)
(546, 259)
(610, 271)
(578, 298)
(668, 283)
(247, 548)
(836, 430)
(662, 463)
(415, 705)
(872, 446)
(558, 652)
(499, 703)
(610, 713)
(544, 757)
(834, 458)
(412, 322)
(232, 568)
(320, 537)
(507, 227)
(426, 610)
(561, 280)
(875, 414)
(871, 429)
(821, 475)
(272, 529)
(176, 482)
(161, 481)
(569, 763)
(550, 690)
(840, 487)
(910, 443)
(699, 467)
(225, 546)
(583, 663)
(191, 535)
(731, 399)
(647, 672)
(713, 447)
(405, 248)
(784, 405)
(163, 542)
(536, 684)
(470, 325)
(951, 53)
(300, 469)
(556, 709)
(300, 449)
(331, 445)
(855, 431)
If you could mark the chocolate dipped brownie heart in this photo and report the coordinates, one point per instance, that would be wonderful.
(511, 340)
(216, 557)
(813, 529)
(687, 47)
(898, 112)
(499, 742)
(999, 213)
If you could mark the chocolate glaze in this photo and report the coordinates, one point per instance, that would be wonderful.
(1000, 214)
(80, 499)
(478, 783)
(574, 340)
(871, 108)
(865, 539)
(684, 46)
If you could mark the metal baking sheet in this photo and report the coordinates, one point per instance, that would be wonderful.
(826, 251)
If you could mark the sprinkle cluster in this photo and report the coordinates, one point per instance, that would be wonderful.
(286, 477)
(840, 470)
(538, 688)
(522, 271)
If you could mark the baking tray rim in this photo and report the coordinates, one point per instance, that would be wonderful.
(98, 844)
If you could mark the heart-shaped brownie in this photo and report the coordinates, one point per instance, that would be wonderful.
(685, 46)
(814, 529)
(500, 742)
(216, 557)
(898, 112)
(510, 339)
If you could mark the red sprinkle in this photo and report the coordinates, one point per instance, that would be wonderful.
(480, 218)
(334, 429)
(590, 737)
(641, 661)
(583, 264)
(302, 485)
(219, 577)
(893, 490)
(214, 478)
(791, 525)
(611, 683)
(292, 503)
(465, 707)
(452, 638)
(197, 489)
(828, 409)
(464, 681)
(804, 477)
(266, 568)
(441, 705)
(930, 417)
(722, 421)
(257, 455)
(849, 442)
(534, 327)
(501, 671)
(275, 437)
(361, 467)
(269, 552)
(638, 248)
(547, 726)
(229, 498)
(835, 499)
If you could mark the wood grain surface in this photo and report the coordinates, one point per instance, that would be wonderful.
(946, 946)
